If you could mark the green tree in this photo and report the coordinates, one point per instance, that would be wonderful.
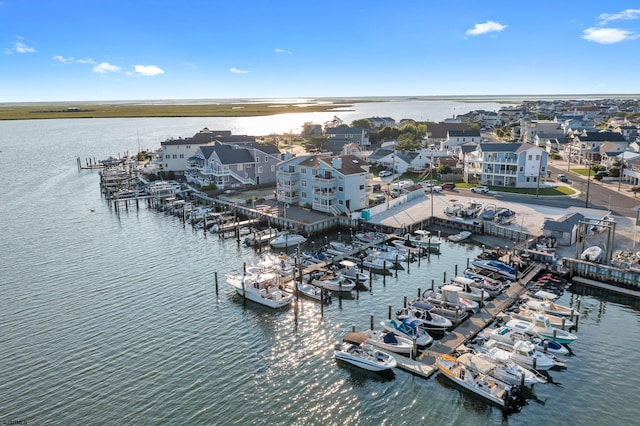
(315, 143)
(388, 133)
(363, 122)
(408, 141)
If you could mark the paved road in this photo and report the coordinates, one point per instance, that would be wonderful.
(604, 196)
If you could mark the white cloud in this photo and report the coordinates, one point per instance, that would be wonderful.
(487, 27)
(237, 71)
(626, 15)
(106, 67)
(283, 52)
(607, 35)
(19, 46)
(148, 70)
(71, 59)
(62, 59)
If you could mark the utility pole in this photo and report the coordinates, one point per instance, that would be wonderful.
(586, 201)
(431, 179)
(538, 181)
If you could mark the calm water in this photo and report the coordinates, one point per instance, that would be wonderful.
(115, 319)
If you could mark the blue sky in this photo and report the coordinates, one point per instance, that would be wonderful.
(73, 50)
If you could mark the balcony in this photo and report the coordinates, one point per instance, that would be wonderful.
(325, 180)
(324, 195)
(288, 184)
(288, 174)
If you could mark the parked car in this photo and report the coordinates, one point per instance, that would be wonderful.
(385, 173)
(376, 187)
(428, 187)
(562, 178)
(480, 189)
(379, 199)
(448, 185)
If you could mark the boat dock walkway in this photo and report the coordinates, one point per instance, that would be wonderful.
(469, 329)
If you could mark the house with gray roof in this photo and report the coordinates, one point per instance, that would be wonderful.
(564, 230)
(330, 184)
(516, 165)
(585, 147)
(177, 151)
(358, 135)
(234, 165)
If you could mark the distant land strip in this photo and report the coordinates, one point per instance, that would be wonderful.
(93, 110)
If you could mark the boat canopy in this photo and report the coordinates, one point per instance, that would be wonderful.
(390, 338)
(422, 305)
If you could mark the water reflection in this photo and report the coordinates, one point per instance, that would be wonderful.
(359, 377)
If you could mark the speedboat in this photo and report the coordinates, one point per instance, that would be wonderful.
(462, 235)
(526, 314)
(427, 320)
(540, 327)
(287, 240)
(335, 283)
(364, 356)
(261, 288)
(314, 292)
(471, 292)
(450, 295)
(423, 238)
(385, 340)
(504, 395)
(349, 269)
(505, 216)
(592, 254)
(507, 371)
(369, 237)
(488, 212)
(377, 264)
(510, 336)
(410, 329)
(496, 266)
(456, 316)
(551, 308)
(523, 353)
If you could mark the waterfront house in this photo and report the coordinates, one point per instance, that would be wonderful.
(234, 165)
(546, 129)
(517, 165)
(176, 152)
(380, 122)
(328, 184)
(564, 230)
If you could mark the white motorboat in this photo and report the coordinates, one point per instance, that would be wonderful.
(462, 235)
(506, 396)
(410, 329)
(470, 290)
(335, 283)
(471, 209)
(526, 314)
(313, 292)
(496, 266)
(450, 295)
(261, 288)
(370, 237)
(551, 308)
(339, 248)
(393, 255)
(541, 328)
(423, 238)
(287, 240)
(349, 269)
(523, 353)
(592, 254)
(364, 356)
(507, 371)
(427, 320)
(505, 216)
(377, 264)
(456, 316)
(385, 340)
(510, 336)
(454, 209)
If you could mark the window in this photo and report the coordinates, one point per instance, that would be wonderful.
(181, 155)
(239, 167)
(521, 168)
(303, 183)
(259, 169)
(530, 157)
(175, 156)
(273, 167)
(303, 170)
(361, 187)
(340, 202)
(266, 159)
(340, 189)
(303, 194)
(257, 159)
(528, 179)
(537, 157)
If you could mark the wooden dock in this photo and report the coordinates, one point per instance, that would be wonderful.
(470, 328)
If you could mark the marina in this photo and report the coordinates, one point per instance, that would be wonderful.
(117, 316)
